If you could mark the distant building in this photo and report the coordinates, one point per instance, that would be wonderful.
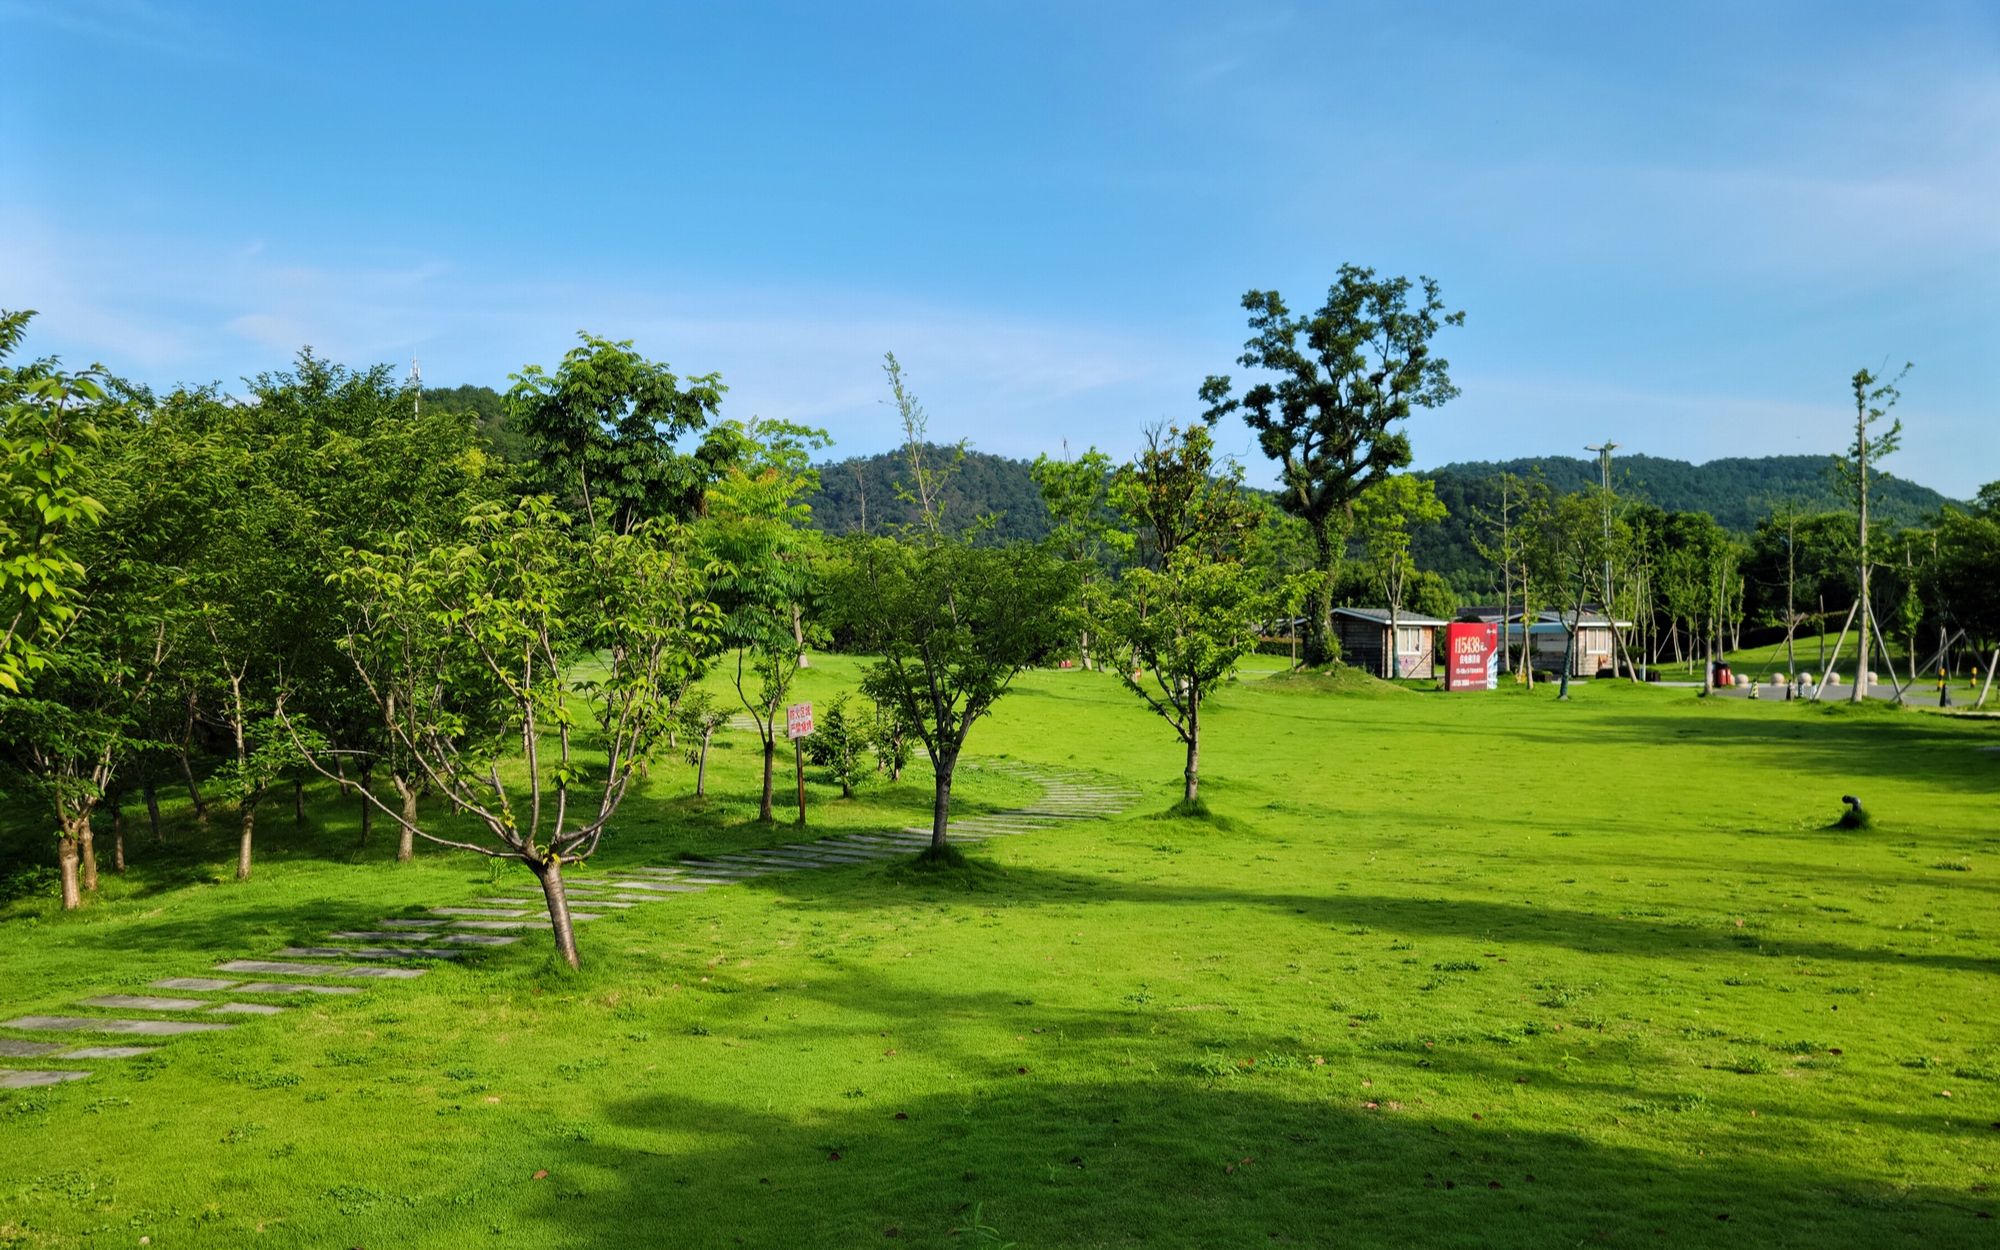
(1365, 644)
(1548, 637)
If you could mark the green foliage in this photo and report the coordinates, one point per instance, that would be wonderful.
(46, 423)
(838, 739)
(1328, 417)
(954, 624)
(604, 428)
(496, 649)
(1386, 513)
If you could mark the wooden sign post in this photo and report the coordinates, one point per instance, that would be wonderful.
(799, 727)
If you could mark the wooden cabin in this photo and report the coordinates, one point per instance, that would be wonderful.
(1363, 634)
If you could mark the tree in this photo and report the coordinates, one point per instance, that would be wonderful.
(1385, 514)
(756, 535)
(1964, 577)
(1346, 375)
(953, 622)
(1083, 526)
(604, 428)
(490, 658)
(1187, 621)
(1873, 399)
(889, 734)
(700, 718)
(46, 421)
(837, 741)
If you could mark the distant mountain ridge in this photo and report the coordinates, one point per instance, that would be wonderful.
(1736, 490)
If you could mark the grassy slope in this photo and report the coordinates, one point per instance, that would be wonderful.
(1430, 945)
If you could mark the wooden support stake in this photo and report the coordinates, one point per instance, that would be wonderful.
(1826, 672)
(1988, 687)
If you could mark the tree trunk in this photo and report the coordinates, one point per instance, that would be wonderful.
(764, 813)
(1192, 773)
(298, 800)
(153, 810)
(367, 807)
(799, 637)
(66, 858)
(941, 802)
(1319, 629)
(118, 836)
(86, 837)
(1395, 640)
(406, 841)
(701, 765)
(244, 838)
(550, 875)
(194, 792)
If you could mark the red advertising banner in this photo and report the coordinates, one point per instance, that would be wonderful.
(1473, 656)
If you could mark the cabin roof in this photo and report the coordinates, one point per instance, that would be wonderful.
(1380, 616)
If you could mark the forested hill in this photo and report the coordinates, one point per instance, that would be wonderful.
(860, 494)
(1737, 491)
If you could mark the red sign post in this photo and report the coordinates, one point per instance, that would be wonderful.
(799, 727)
(1473, 656)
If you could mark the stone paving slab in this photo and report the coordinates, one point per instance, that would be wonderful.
(477, 911)
(284, 987)
(28, 1078)
(107, 1052)
(655, 887)
(501, 924)
(404, 923)
(11, 1049)
(277, 968)
(366, 952)
(378, 935)
(244, 1009)
(108, 1024)
(143, 1002)
(480, 939)
(192, 983)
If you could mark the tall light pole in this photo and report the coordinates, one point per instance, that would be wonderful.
(1604, 451)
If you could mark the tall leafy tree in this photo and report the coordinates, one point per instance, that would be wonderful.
(1344, 377)
(605, 428)
(46, 423)
(1385, 516)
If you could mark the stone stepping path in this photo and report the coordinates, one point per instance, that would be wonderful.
(108, 1024)
(501, 920)
(28, 1078)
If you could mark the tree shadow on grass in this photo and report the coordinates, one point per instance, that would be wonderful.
(1471, 919)
(1256, 1160)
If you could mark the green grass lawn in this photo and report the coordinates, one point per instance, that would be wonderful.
(1807, 652)
(1438, 970)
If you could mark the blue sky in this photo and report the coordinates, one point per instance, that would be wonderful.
(1681, 230)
